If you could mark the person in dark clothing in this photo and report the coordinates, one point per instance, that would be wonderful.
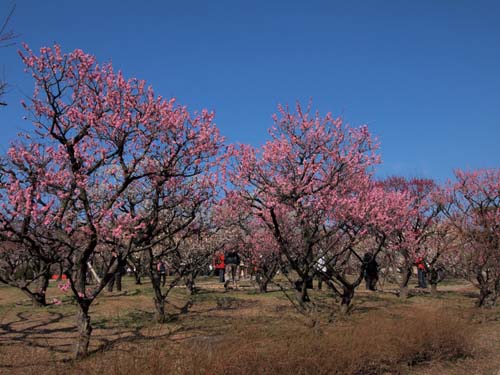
(371, 271)
(309, 283)
(116, 279)
(161, 267)
(232, 261)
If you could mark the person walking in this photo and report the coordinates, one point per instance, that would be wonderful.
(232, 260)
(116, 279)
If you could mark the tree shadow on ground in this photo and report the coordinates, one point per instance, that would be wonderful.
(54, 334)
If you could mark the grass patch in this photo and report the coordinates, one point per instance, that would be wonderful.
(244, 332)
(377, 344)
(128, 320)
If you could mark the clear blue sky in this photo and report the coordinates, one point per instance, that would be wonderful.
(424, 75)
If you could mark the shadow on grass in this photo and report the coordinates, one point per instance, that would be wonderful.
(53, 333)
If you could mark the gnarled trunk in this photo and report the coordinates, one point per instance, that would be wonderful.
(137, 277)
(84, 327)
(160, 315)
(159, 298)
(403, 285)
(111, 283)
(301, 287)
(489, 289)
(189, 285)
(262, 281)
(38, 298)
(263, 286)
(304, 297)
(347, 296)
(136, 267)
(118, 280)
(84, 330)
(436, 275)
(487, 297)
(434, 292)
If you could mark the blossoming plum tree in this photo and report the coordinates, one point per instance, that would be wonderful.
(253, 240)
(368, 222)
(107, 138)
(179, 183)
(299, 178)
(28, 247)
(411, 241)
(472, 204)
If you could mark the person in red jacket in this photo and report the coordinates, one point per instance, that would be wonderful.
(219, 265)
(421, 272)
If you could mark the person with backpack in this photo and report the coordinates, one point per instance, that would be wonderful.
(232, 261)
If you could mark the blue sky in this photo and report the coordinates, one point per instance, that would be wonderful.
(424, 75)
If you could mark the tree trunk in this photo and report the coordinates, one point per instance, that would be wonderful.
(436, 275)
(137, 269)
(137, 276)
(43, 283)
(434, 292)
(403, 286)
(84, 330)
(403, 292)
(304, 297)
(263, 285)
(347, 296)
(111, 283)
(118, 279)
(37, 299)
(189, 285)
(159, 299)
(160, 315)
(487, 297)
(262, 281)
(489, 289)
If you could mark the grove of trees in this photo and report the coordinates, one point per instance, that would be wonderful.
(113, 176)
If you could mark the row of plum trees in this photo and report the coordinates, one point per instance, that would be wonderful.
(110, 173)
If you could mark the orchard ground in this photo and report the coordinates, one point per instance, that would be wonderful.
(244, 332)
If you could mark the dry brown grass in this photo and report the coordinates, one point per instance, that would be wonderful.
(377, 344)
(244, 333)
